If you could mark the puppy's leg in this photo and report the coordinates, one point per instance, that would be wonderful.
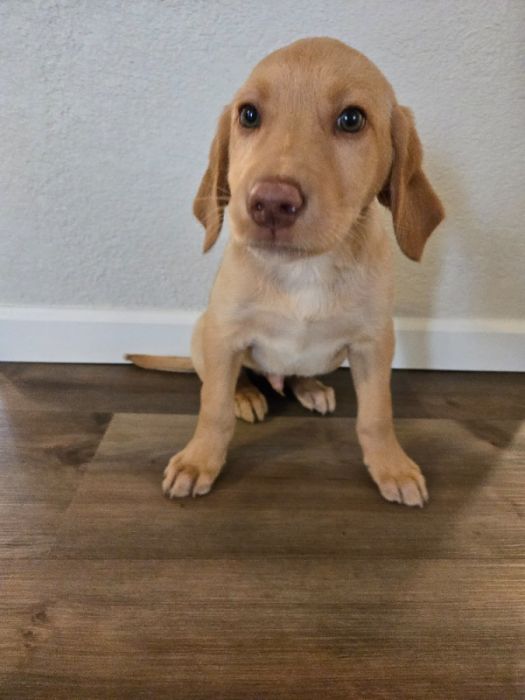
(313, 394)
(193, 471)
(399, 479)
(250, 403)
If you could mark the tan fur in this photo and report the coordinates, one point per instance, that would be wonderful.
(324, 291)
(164, 363)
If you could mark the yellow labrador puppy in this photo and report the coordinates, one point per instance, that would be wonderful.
(303, 156)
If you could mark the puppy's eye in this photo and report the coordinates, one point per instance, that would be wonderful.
(249, 117)
(351, 120)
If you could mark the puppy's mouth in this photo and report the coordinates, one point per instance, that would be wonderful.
(276, 245)
(280, 249)
(270, 236)
(274, 240)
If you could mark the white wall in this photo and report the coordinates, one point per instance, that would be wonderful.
(107, 111)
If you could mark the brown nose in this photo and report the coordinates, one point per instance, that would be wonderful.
(275, 204)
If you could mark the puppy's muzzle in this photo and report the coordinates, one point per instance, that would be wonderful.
(275, 204)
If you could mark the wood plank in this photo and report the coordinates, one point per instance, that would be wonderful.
(292, 579)
(461, 395)
(37, 440)
(263, 628)
(97, 388)
(42, 457)
(110, 388)
(296, 487)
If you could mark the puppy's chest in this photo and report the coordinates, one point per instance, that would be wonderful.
(304, 335)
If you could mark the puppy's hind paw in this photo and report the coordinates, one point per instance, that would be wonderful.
(250, 404)
(313, 394)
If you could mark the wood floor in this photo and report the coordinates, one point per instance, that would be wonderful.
(292, 579)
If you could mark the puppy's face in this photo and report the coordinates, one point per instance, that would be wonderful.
(309, 147)
(308, 142)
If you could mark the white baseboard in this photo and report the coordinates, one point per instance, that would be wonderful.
(104, 336)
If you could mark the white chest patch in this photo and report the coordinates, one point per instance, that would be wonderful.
(302, 349)
(307, 330)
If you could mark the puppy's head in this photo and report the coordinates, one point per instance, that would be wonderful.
(312, 137)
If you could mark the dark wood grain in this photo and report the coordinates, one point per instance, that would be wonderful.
(97, 388)
(292, 579)
(228, 628)
(42, 457)
(297, 486)
(124, 388)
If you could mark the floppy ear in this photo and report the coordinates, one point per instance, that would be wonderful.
(214, 192)
(416, 208)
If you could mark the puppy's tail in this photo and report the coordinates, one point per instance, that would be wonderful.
(164, 363)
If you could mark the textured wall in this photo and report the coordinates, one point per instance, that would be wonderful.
(107, 110)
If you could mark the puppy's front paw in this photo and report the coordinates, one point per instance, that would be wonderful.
(184, 478)
(399, 479)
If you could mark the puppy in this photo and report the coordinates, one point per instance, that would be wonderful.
(304, 156)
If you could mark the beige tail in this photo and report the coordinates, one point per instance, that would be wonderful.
(164, 363)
